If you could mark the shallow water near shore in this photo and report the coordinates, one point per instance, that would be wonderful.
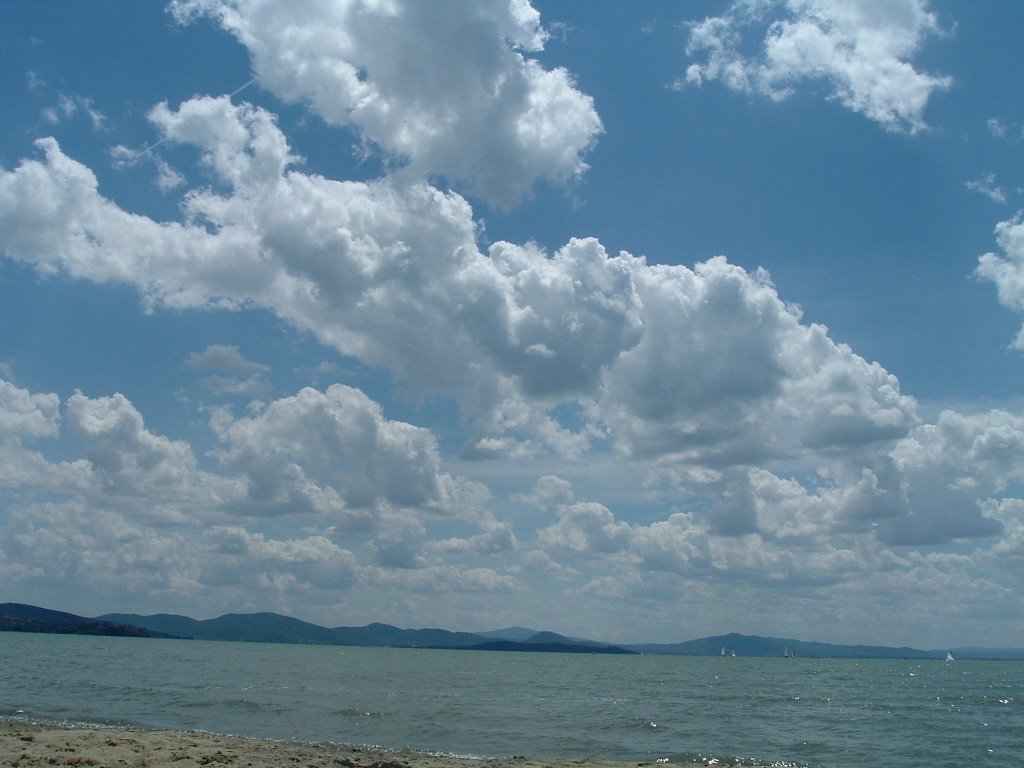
(807, 712)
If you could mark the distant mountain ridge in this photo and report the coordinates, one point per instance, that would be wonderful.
(755, 645)
(19, 617)
(275, 628)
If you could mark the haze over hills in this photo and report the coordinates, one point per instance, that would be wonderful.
(275, 628)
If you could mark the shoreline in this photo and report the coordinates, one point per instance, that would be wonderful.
(25, 743)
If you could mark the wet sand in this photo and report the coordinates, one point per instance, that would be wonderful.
(24, 744)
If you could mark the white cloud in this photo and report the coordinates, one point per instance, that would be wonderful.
(986, 185)
(72, 545)
(584, 529)
(238, 557)
(497, 537)
(954, 480)
(442, 580)
(142, 473)
(446, 87)
(125, 467)
(26, 414)
(862, 48)
(1007, 271)
(725, 373)
(225, 358)
(703, 365)
(167, 179)
(548, 492)
(137, 516)
(996, 127)
(235, 374)
(34, 82)
(68, 107)
(332, 453)
(951, 470)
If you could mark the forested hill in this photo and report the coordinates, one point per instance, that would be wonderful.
(18, 617)
(275, 628)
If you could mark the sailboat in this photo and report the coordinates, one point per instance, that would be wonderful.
(949, 657)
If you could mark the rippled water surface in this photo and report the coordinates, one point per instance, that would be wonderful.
(808, 712)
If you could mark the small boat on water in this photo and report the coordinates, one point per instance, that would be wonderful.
(949, 657)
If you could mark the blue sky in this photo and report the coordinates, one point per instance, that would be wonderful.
(638, 321)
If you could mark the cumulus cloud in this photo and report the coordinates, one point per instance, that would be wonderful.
(755, 449)
(584, 528)
(237, 557)
(726, 373)
(70, 545)
(143, 473)
(27, 414)
(447, 88)
(332, 452)
(952, 469)
(863, 49)
(125, 466)
(953, 481)
(497, 537)
(25, 417)
(1007, 270)
(137, 514)
(548, 492)
(705, 364)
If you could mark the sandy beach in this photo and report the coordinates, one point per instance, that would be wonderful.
(25, 744)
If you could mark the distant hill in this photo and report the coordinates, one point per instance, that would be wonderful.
(518, 634)
(18, 617)
(540, 646)
(755, 645)
(275, 628)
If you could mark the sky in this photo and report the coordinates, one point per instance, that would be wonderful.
(637, 321)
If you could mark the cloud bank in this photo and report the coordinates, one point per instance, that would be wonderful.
(765, 453)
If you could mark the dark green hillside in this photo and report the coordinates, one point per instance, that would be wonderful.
(18, 617)
(247, 627)
(182, 626)
(274, 628)
(546, 647)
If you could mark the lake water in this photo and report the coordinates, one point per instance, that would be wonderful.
(806, 712)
